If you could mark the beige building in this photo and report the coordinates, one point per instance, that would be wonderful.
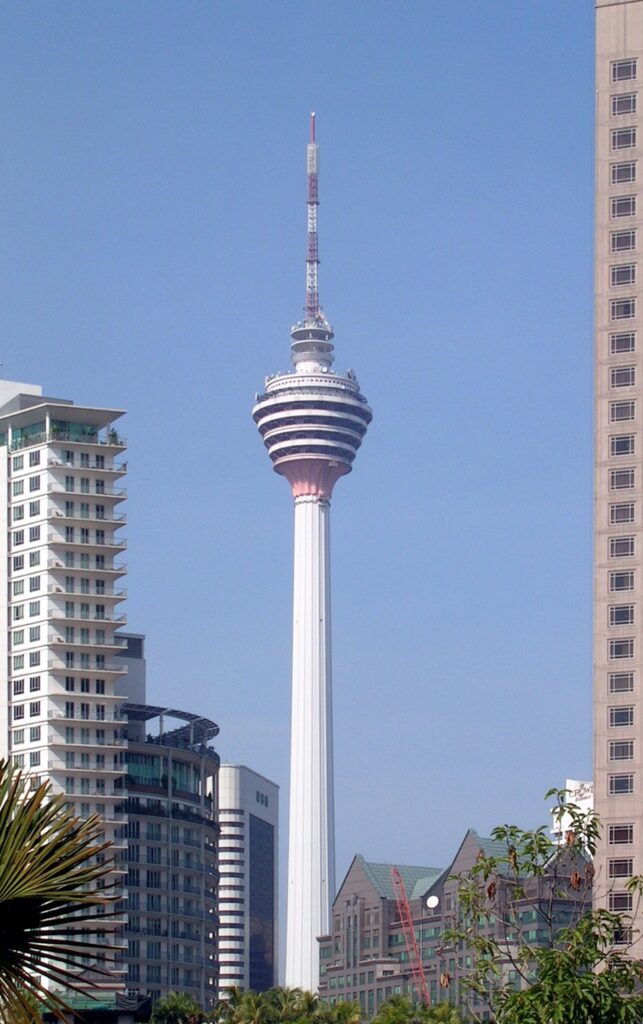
(618, 640)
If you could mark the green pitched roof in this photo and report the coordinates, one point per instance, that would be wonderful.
(416, 879)
(491, 847)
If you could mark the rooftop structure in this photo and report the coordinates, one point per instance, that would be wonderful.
(312, 422)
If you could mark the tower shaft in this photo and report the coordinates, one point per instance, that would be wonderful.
(311, 857)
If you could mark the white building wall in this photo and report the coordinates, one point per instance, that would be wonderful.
(242, 793)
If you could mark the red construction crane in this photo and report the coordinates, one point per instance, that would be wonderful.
(415, 960)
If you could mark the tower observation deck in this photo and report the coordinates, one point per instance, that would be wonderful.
(312, 421)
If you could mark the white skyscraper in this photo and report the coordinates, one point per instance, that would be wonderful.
(312, 422)
(60, 471)
(248, 879)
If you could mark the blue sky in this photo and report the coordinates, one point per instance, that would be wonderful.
(153, 204)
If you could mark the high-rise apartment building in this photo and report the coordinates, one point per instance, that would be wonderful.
(248, 879)
(61, 474)
(618, 566)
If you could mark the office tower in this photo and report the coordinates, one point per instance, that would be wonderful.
(618, 639)
(312, 422)
(248, 879)
(61, 472)
(171, 810)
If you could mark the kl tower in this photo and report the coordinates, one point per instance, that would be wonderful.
(312, 422)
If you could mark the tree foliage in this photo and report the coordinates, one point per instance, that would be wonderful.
(48, 876)
(177, 1008)
(294, 1006)
(582, 973)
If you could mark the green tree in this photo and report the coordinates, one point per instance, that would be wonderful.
(177, 1008)
(583, 973)
(48, 877)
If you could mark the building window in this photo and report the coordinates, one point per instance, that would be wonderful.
(34, 508)
(621, 411)
(623, 512)
(622, 173)
(621, 750)
(621, 547)
(34, 708)
(623, 309)
(34, 758)
(623, 138)
(34, 559)
(34, 684)
(34, 533)
(34, 583)
(18, 737)
(623, 867)
(622, 241)
(621, 682)
(623, 273)
(619, 784)
(620, 835)
(34, 607)
(18, 462)
(18, 687)
(34, 634)
(621, 615)
(620, 581)
(621, 479)
(622, 342)
(18, 513)
(622, 444)
(18, 487)
(623, 70)
(624, 103)
(620, 902)
(18, 562)
(34, 483)
(622, 376)
(621, 716)
(18, 712)
(623, 206)
(621, 648)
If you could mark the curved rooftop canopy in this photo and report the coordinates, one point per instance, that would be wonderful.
(197, 729)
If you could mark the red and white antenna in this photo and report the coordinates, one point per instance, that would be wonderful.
(313, 310)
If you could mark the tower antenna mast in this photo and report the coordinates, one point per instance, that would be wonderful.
(313, 310)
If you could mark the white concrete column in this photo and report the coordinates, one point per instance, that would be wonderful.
(311, 849)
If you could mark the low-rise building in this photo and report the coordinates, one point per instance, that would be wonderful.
(366, 957)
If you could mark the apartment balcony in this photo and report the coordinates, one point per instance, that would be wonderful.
(61, 766)
(115, 620)
(113, 468)
(116, 519)
(63, 716)
(54, 740)
(84, 570)
(118, 642)
(118, 543)
(59, 487)
(110, 440)
(109, 594)
(110, 668)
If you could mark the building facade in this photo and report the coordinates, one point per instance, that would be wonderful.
(171, 811)
(61, 471)
(248, 882)
(365, 958)
(618, 563)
